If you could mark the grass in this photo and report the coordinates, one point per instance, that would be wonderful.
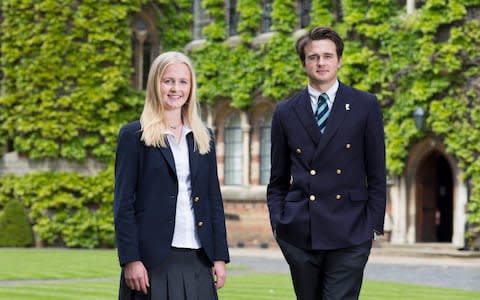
(93, 274)
(25, 263)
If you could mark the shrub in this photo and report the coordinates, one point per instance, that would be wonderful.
(16, 230)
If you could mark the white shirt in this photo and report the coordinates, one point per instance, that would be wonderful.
(331, 92)
(185, 234)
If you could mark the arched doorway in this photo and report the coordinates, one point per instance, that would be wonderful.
(434, 199)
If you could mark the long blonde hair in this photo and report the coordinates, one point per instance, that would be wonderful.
(152, 119)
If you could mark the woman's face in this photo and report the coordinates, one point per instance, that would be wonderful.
(175, 86)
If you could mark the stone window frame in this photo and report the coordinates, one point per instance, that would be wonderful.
(145, 44)
(266, 22)
(200, 19)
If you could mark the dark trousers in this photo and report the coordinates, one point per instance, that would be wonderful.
(326, 274)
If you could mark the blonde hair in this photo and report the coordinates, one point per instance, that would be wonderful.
(152, 119)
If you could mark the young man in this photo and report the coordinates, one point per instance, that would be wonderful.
(327, 190)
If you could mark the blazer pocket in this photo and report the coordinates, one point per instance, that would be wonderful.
(293, 196)
(358, 195)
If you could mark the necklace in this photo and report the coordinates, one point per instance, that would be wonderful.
(173, 127)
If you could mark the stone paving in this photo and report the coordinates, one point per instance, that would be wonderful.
(439, 269)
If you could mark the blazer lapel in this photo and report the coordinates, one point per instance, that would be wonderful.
(193, 156)
(335, 119)
(303, 108)
(168, 155)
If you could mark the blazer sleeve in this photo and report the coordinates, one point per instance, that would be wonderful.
(126, 172)
(280, 168)
(218, 215)
(376, 167)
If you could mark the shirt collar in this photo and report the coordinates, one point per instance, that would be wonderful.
(331, 92)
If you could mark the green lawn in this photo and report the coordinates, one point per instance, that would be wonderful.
(93, 274)
(27, 263)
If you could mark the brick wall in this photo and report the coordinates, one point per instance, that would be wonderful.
(248, 224)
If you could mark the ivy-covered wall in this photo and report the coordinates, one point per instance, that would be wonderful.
(66, 89)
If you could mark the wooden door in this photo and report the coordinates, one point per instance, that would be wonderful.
(426, 201)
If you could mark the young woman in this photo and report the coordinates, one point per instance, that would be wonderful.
(168, 210)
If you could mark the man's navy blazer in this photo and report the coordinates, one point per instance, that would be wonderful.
(328, 191)
(146, 190)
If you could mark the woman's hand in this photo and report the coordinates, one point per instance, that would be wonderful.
(136, 276)
(219, 273)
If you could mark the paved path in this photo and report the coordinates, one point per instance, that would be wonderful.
(442, 271)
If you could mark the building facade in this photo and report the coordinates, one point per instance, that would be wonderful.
(426, 202)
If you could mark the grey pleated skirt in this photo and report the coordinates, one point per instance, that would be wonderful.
(185, 274)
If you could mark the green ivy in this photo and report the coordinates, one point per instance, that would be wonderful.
(65, 208)
(66, 90)
(63, 64)
(173, 21)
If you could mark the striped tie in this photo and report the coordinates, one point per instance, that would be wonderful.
(321, 114)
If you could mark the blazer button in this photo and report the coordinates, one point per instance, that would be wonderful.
(196, 199)
(339, 171)
(200, 224)
(298, 150)
(312, 197)
(348, 145)
(338, 197)
(313, 172)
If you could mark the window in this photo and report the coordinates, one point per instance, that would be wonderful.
(411, 5)
(233, 150)
(141, 52)
(232, 17)
(305, 7)
(337, 10)
(267, 15)
(146, 46)
(200, 19)
(265, 144)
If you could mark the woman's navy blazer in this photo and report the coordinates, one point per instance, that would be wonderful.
(146, 189)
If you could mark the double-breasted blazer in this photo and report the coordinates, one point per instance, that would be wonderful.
(146, 189)
(328, 191)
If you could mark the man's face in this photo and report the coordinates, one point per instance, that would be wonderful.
(321, 63)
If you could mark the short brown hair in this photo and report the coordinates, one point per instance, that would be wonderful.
(318, 33)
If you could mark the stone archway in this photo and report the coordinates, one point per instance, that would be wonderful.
(431, 181)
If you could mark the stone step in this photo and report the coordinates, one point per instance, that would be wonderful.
(422, 250)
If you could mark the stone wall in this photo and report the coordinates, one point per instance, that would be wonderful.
(13, 163)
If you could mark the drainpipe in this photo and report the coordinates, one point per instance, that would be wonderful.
(467, 224)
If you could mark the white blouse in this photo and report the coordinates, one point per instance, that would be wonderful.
(185, 234)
